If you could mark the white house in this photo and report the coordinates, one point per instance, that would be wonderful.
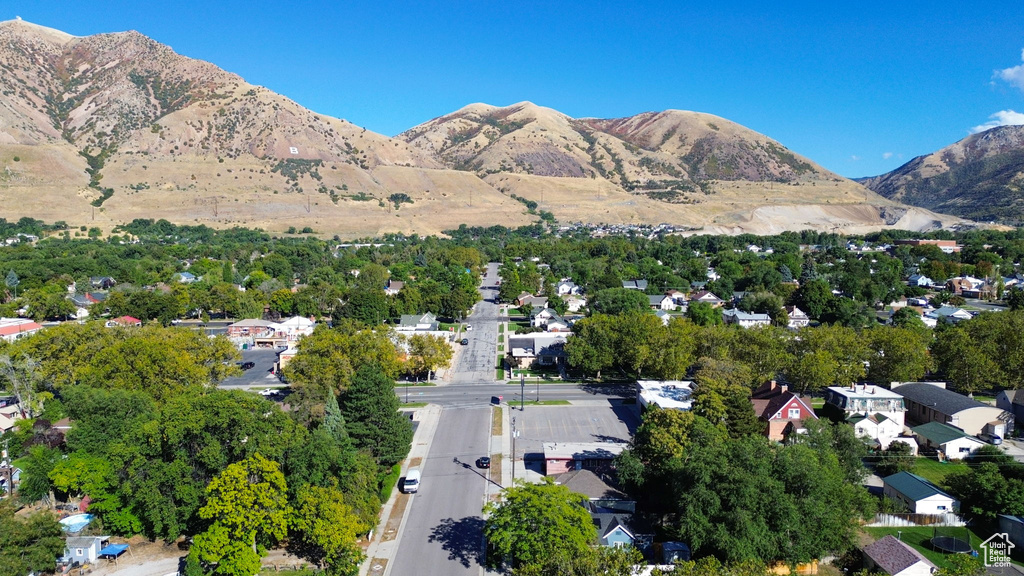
(892, 556)
(84, 549)
(567, 287)
(417, 323)
(745, 319)
(954, 443)
(12, 329)
(662, 302)
(867, 399)
(919, 495)
(948, 314)
(920, 280)
(394, 287)
(797, 317)
(574, 303)
(877, 427)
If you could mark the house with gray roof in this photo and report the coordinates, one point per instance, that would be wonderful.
(1013, 402)
(640, 285)
(418, 323)
(892, 556)
(954, 443)
(932, 402)
(919, 495)
(745, 319)
(602, 496)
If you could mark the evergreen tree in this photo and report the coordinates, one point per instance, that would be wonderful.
(370, 408)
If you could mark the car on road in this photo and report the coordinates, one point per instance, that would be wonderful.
(483, 462)
(464, 341)
(246, 365)
(469, 327)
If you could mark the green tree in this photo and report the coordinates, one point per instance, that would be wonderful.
(35, 483)
(370, 408)
(534, 522)
(593, 345)
(898, 354)
(703, 314)
(248, 507)
(28, 544)
(325, 530)
(618, 301)
(428, 353)
(898, 457)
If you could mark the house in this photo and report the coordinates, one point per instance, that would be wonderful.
(797, 318)
(539, 317)
(557, 324)
(538, 349)
(123, 321)
(185, 278)
(865, 399)
(679, 298)
(1013, 527)
(782, 412)
(622, 530)
(9, 414)
(931, 402)
(920, 280)
(83, 549)
(661, 302)
(12, 329)
(1012, 401)
(640, 285)
(878, 427)
(665, 394)
(418, 323)
(394, 287)
(664, 316)
(533, 301)
(919, 495)
(574, 303)
(561, 457)
(892, 556)
(745, 319)
(567, 288)
(706, 297)
(601, 496)
(954, 443)
(102, 282)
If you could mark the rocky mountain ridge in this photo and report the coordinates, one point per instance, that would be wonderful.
(980, 177)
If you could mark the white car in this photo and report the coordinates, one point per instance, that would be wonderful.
(468, 328)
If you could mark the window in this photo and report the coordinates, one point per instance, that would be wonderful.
(794, 413)
(940, 507)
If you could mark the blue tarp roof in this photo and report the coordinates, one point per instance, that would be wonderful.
(114, 550)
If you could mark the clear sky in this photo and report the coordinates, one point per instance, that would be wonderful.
(859, 87)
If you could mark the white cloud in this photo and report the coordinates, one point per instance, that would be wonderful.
(1013, 76)
(854, 157)
(1001, 118)
(886, 155)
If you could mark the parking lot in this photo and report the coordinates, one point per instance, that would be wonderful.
(614, 422)
(260, 375)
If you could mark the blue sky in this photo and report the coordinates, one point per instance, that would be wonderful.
(860, 88)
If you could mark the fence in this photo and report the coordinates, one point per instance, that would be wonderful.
(901, 520)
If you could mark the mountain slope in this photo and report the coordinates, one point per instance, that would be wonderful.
(980, 177)
(103, 129)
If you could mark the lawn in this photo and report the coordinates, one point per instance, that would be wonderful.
(413, 404)
(919, 537)
(935, 471)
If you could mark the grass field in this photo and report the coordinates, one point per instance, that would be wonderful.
(935, 471)
(413, 404)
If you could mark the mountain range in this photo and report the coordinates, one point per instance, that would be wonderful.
(980, 177)
(101, 129)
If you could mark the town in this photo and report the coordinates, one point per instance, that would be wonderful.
(584, 401)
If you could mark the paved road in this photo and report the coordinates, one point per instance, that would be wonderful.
(477, 360)
(443, 532)
(480, 393)
(259, 375)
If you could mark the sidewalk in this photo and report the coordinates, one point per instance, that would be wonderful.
(380, 551)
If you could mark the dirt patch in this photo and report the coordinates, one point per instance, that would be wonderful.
(377, 566)
(496, 422)
(495, 473)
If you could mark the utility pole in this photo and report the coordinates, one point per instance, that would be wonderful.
(522, 393)
(514, 434)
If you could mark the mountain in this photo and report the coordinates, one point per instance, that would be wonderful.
(980, 177)
(102, 129)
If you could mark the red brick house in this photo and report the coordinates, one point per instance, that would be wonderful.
(782, 412)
